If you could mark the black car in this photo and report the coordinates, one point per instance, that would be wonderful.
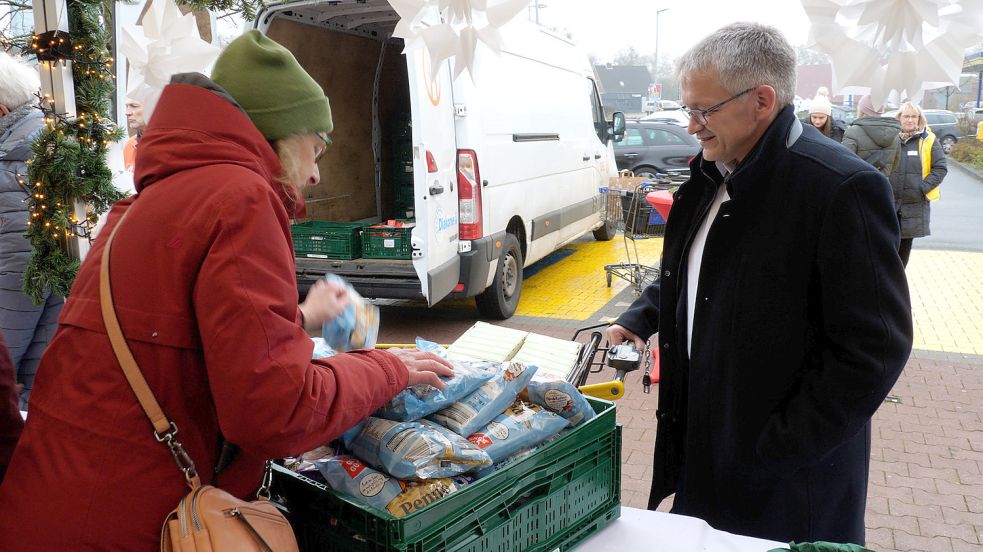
(649, 148)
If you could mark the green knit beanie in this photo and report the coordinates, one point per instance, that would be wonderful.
(274, 90)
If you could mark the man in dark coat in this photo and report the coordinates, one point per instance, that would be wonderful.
(782, 307)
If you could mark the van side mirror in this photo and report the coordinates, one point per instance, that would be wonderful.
(617, 132)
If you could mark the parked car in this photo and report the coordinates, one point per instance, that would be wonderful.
(650, 147)
(943, 123)
(673, 116)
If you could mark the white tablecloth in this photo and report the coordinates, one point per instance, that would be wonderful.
(646, 530)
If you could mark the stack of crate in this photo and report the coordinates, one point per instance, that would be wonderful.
(402, 141)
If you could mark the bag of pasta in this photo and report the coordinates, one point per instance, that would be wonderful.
(415, 450)
(521, 426)
(423, 399)
(491, 399)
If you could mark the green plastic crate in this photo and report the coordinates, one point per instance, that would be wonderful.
(327, 240)
(386, 243)
(552, 499)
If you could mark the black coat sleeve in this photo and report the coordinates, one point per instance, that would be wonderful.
(642, 317)
(862, 319)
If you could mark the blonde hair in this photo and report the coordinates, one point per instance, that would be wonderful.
(288, 150)
(908, 106)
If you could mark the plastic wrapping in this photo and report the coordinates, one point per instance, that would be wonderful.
(520, 427)
(423, 399)
(357, 327)
(415, 450)
(559, 396)
(491, 399)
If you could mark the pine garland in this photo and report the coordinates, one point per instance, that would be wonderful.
(69, 163)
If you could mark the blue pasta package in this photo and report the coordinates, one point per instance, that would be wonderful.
(357, 327)
(491, 399)
(416, 450)
(521, 426)
(422, 399)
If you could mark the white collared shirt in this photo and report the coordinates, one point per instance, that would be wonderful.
(694, 259)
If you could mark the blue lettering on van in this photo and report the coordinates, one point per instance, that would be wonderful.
(444, 223)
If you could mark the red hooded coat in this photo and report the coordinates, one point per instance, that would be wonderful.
(203, 279)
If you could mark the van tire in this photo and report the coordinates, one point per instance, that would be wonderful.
(606, 231)
(500, 300)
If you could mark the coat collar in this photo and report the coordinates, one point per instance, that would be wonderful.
(783, 132)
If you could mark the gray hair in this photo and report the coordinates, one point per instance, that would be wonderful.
(19, 82)
(745, 55)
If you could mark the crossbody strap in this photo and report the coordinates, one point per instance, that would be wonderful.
(165, 430)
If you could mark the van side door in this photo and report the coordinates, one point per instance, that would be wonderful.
(435, 237)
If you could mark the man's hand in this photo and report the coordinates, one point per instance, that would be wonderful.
(424, 367)
(325, 301)
(619, 334)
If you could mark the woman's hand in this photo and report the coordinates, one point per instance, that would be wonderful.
(324, 302)
(424, 367)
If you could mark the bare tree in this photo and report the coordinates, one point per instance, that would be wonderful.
(806, 56)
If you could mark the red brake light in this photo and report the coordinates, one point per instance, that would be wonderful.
(468, 195)
(431, 163)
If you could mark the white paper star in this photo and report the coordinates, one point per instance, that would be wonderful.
(454, 28)
(894, 47)
(165, 44)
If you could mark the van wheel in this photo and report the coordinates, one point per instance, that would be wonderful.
(500, 300)
(607, 231)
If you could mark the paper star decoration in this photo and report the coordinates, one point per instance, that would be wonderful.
(453, 28)
(165, 44)
(894, 47)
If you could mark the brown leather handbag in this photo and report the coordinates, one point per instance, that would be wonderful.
(207, 518)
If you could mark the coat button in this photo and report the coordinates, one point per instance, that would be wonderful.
(665, 346)
(667, 273)
(153, 334)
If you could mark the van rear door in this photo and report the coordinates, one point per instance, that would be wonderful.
(435, 237)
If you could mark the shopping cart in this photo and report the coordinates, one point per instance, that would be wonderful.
(639, 221)
(622, 358)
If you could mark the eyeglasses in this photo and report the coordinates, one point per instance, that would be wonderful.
(701, 115)
(320, 154)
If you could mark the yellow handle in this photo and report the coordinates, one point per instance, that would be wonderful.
(609, 390)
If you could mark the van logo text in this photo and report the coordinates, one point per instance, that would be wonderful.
(444, 223)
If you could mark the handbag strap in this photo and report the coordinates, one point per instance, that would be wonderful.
(165, 431)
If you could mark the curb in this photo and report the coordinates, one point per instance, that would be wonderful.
(971, 170)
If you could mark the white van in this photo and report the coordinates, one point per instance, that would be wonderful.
(505, 169)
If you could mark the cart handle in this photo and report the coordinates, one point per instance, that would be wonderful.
(608, 390)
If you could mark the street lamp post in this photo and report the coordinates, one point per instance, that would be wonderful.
(657, 44)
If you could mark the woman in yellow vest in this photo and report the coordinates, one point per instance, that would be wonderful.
(916, 179)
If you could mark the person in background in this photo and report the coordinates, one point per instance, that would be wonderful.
(821, 117)
(26, 327)
(205, 289)
(782, 307)
(11, 423)
(135, 124)
(874, 137)
(917, 177)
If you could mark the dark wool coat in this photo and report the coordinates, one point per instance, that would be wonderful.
(802, 325)
(914, 209)
(205, 290)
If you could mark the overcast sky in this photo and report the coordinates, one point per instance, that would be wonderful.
(603, 27)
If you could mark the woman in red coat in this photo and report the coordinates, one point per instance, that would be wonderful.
(203, 284)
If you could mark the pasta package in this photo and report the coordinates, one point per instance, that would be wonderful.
(351, 477)
(559, 396)
(357, 327)
(423, 399)
(491, 399)
(416, 450)
(520, 427)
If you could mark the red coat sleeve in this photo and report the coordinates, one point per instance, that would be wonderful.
(11, 423)
(270, 397)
